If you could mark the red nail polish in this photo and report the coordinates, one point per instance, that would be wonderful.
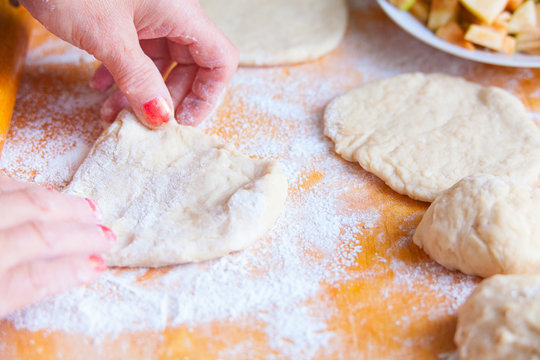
(109, 234)
(95, 209)
(50, 189)
(156, 111)
(97, 263)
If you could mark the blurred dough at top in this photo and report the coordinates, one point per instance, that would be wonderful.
(279, 32)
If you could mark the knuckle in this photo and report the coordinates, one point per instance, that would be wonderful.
(35, 278)
(36, 198)
(37, 229)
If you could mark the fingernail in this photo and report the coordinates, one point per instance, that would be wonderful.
(109, 234)
(50, 189)
(97, 263)
(157, 111)
(95, 209)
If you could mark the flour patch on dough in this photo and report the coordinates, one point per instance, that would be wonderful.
(177, 195)
(279, 32)
(422, 133)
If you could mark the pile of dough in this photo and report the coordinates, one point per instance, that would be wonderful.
(501, 320)
(484, 225)
(279, 32)
(177, 195)
(422, 133)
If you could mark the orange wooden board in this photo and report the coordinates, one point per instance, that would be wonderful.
(374, 294)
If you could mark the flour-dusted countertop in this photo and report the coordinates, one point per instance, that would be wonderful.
(337, 277)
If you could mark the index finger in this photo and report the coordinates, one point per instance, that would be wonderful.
(217, 59)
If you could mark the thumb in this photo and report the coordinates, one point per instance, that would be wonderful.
(140, 80)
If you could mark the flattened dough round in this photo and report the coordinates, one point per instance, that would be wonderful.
(279, 32)
(501, 320)
(484, 225)
(177, 195)
(421, 133)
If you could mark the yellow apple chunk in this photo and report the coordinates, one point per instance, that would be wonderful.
(486, 36)
(453, 33)
(485, 10)
(523, 19)
(442, 12)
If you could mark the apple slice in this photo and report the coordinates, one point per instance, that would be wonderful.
(442, 12)
(402, 4)
(486, 36)
(485, 10)
(420, 10)
(513, 4)
(501, 21)
(453, 33)
(523, 19)
(528, 43)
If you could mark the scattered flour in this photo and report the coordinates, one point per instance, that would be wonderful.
(315, 242)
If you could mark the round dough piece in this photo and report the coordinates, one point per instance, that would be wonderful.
(279, 32)
(422, 133)
(484, 225)
(501, 320)
(177, 195)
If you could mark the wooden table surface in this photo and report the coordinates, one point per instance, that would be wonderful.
(387, 301)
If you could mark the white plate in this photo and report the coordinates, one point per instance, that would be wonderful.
(408, 23)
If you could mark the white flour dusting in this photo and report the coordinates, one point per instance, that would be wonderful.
(316, 242)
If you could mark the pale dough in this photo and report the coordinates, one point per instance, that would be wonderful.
(177, 195)
(484, 225)
(278, 32)
(501, 320)
(421, 133)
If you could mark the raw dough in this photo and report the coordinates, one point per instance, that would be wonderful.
(484, 225)
(278, 32)
(421, 133)
(501, 320)
(177, 195)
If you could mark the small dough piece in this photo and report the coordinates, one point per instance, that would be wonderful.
(422, 133)
(484, 225)
(177, 195)
(280, 32)
(501, 320)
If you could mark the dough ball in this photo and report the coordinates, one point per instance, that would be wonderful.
(484, 225)
(177, 195)
(422, 133)
(501, 320)
(279, 32)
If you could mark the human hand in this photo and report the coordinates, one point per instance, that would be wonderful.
(138, 41)
(49, 242)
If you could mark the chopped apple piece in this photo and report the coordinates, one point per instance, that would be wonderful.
(485, 10)
(509, 44)
(501, 22)
(528, 43)
(420, 10)
(453, 33)
(442, 12)
(523, 19)
(486, 36)
(402, 4)
(513, 4)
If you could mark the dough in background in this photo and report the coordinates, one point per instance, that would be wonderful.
(422, 133)
(501, 320)
(177, 195)
(280, 32)
(484, 225)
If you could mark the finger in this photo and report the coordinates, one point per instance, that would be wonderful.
(18, 207)
(32, 282)
(37, 240)
(217, 58)
(139, 79)
(102, 79)
(117, 101)
(180, 81)
(7, 184)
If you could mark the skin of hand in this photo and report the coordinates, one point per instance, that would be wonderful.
(138, 42)
(49, 243)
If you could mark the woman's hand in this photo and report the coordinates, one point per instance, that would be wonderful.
(138, 41)
(49, 242)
